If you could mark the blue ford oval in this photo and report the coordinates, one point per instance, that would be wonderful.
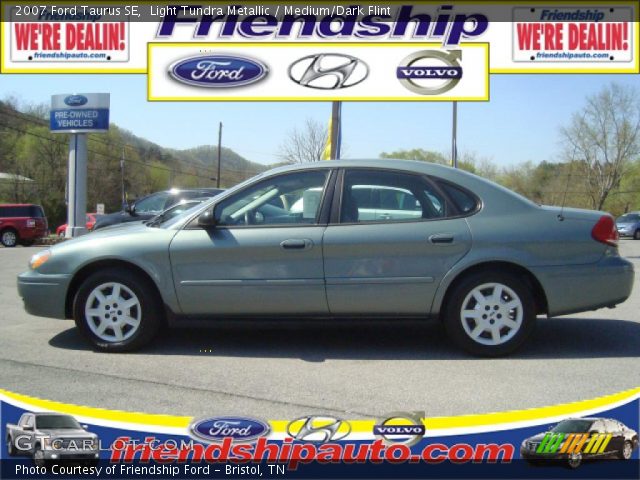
(216, 429)
(76, 100)
(218, 71)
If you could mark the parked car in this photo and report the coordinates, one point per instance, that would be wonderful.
(596, 438)
(152, 205)
(22, 223)
(51, 436)
(481, 258)
(178, 209)
(90, 219)
(629, 225)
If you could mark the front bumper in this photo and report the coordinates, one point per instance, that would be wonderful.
(44, 295)
(581, 288)
(71, 454)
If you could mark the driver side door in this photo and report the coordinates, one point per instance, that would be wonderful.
(263, 257)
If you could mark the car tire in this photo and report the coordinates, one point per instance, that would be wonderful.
(117, 310)
(574, 461)
(9, 237)
(636, 235)
(627, 450)
(11, 448)
(483, 324)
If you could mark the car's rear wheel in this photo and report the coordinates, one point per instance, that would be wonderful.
(574, 460)
(117, 310)
(9, 237)
(38, 456)
(627, 450)
(490, 313)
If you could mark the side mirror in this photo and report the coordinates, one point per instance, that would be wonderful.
(131, 209)
(86, 427)
(207, 219)
(28, 428)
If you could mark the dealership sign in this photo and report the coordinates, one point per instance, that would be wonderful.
(272, 71)
(79, 113)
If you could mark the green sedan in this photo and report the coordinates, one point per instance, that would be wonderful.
(342, 239)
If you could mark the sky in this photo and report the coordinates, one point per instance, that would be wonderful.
(520, 123)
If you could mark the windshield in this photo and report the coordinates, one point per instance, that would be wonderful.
(572, 426)
(56, 421)
(629, 218)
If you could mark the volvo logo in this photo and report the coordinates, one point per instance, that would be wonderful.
(76, 100)
(430, 72)
(328, 71)
(401, 427)
(319, 429)
(218, 71)
(216, 429)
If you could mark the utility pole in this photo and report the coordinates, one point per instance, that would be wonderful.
(219, 154)
(454, 137)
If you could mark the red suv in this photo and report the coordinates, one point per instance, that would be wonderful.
(21, 223)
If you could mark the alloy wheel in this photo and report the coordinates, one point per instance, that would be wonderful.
(491, 314)
(9, 238)
(113, 312)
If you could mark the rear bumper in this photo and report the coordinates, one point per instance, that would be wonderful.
(580, 288)
(43, 295)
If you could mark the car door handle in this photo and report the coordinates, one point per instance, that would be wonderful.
(296, 244)
(441, 238)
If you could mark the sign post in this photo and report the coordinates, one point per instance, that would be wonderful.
(78, 114)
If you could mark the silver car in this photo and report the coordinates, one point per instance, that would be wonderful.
(629, 225)
(296, 242)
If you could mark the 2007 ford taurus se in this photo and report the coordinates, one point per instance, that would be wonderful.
(374, 238)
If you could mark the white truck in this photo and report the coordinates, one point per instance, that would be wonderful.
(51, 437)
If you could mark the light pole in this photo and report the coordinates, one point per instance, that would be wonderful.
(219, 154)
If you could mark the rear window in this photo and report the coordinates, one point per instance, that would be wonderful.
(22, 211)
(464, 201)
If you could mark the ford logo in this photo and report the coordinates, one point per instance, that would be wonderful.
(218, 71)
(76, 100)
(216, 429)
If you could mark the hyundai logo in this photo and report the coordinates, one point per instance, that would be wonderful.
(216, 429)
(401, 427)
(328, 71)
(218, 71)
(430, 72)
(76, 100)
(319, 429)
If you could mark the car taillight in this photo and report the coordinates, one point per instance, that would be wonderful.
(31, 223)
(605, 231)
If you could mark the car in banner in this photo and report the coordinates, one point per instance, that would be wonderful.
(152, 205)
(482, 259)
(51, 436)
(575, 440)
(629, 225)
(22, 223)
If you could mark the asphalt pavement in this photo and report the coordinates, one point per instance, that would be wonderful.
(280, 371)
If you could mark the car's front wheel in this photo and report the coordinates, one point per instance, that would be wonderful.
(627, 450)
(490, 313)
(636, 235)
(117, 310)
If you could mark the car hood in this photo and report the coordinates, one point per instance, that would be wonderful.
(115, 232)
(67, 433)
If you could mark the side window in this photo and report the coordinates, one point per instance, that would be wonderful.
(23, 420)
(152, 203)
(283, 200)
(28, 422)
(464, 201)
(387, 196)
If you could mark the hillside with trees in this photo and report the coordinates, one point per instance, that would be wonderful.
(34, 162)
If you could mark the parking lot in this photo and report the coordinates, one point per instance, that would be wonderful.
(285, 370)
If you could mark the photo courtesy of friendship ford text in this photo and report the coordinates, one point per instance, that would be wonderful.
(319, 239)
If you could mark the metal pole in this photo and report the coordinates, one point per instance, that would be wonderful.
(336, 130)
(454, 137)
(124, 194)
(77, 207)
(219, 154)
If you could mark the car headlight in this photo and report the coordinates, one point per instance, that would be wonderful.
(39, 259)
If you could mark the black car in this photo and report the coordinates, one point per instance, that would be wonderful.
(154, 204)
(576, 439)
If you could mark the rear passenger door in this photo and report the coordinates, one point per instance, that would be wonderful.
(390, 264)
